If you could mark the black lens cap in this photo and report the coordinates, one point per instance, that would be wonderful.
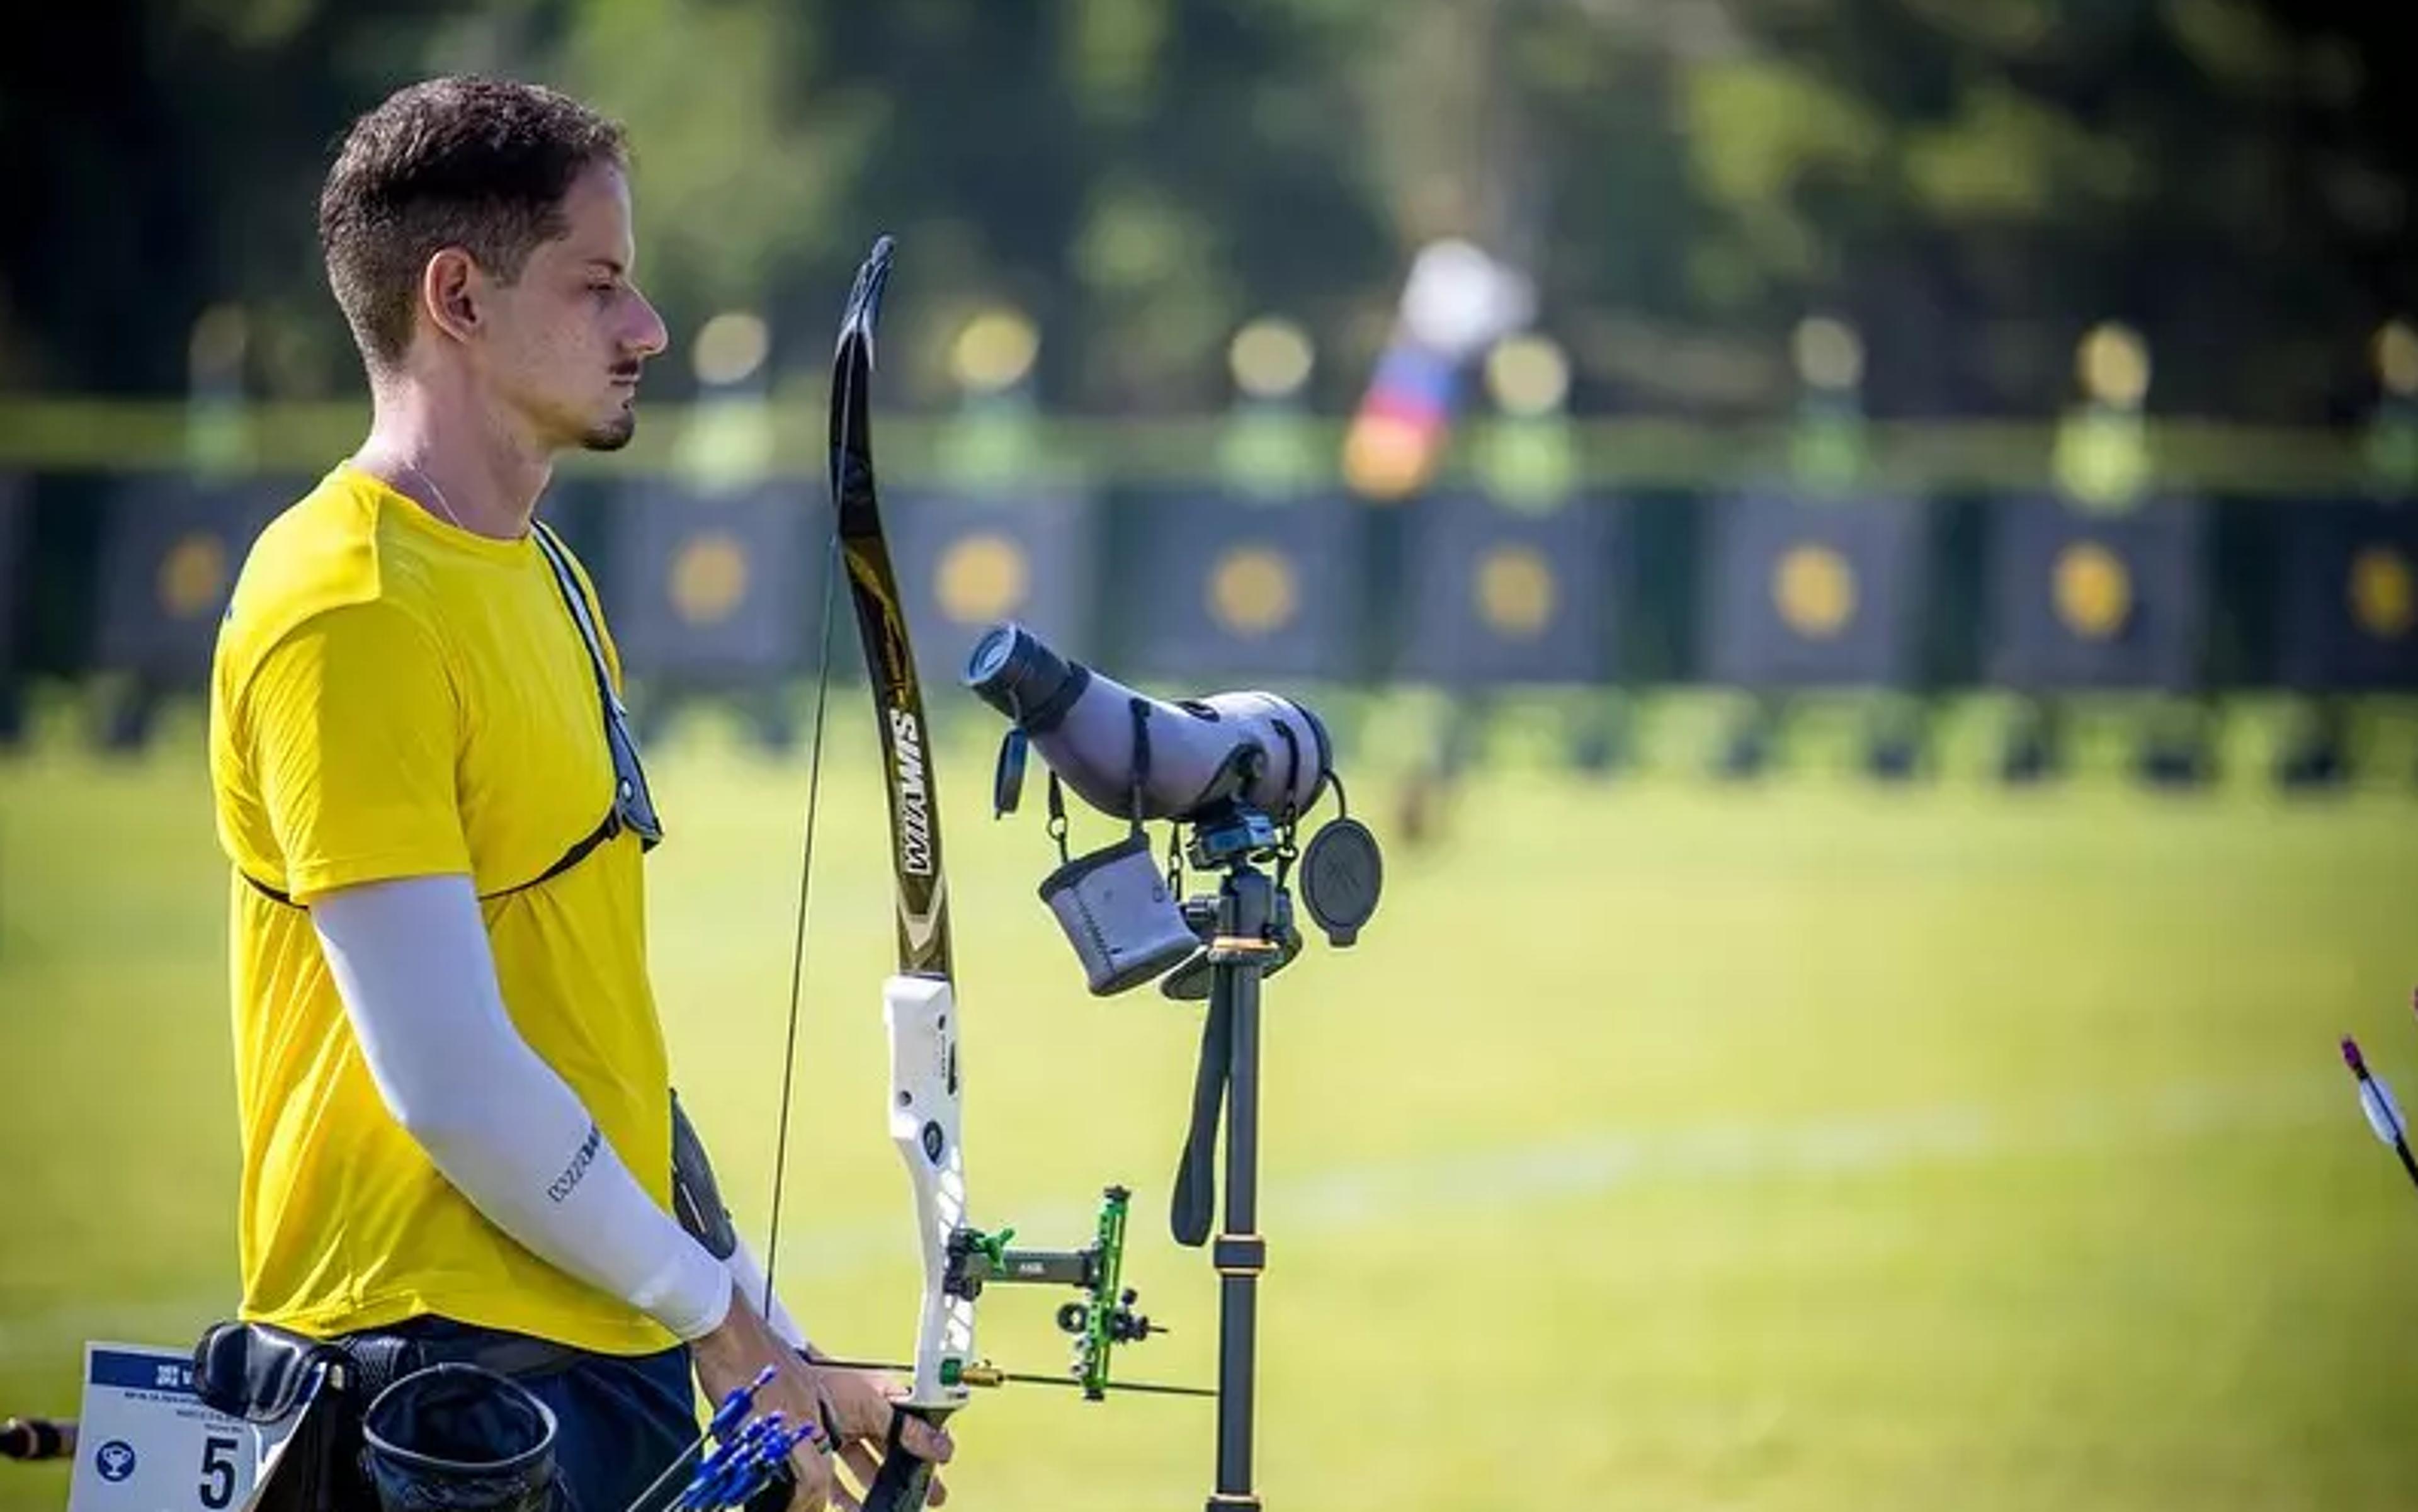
(1007, 778)
(1342, 874)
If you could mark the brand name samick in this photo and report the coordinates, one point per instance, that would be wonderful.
(914, 795)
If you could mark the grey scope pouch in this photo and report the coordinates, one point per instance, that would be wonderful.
(455, 1438)
(1127, 928)
(1115, 905)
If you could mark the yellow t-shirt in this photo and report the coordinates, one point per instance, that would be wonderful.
(396, 697)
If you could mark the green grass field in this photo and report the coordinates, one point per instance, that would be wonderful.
(1800, 1148)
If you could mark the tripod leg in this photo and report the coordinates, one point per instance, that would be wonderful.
(1240, 1255)
(1238, 957)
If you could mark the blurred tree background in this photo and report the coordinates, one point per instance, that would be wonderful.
(1972, 182)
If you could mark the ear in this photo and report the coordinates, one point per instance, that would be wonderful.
(450, 289)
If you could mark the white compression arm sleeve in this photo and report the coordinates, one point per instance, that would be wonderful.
(411, 960)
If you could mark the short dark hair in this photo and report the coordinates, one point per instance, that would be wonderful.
(474, 163)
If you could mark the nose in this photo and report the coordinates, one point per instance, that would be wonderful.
(651, 336)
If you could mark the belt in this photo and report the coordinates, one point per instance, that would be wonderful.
(262, 1372)
(383, 1356)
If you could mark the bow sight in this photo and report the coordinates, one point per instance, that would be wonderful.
(1104, 1320)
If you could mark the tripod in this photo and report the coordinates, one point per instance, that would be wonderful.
(1244, 927)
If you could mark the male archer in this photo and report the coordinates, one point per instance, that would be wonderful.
(456, 1119)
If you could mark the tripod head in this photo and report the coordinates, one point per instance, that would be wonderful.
(1228, 834)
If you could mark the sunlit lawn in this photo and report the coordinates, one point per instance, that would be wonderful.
(1795, 1148)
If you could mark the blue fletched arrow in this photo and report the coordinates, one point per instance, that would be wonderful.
(748, 1477)
(724, 1469)
(736, 1406)
(756, 1471)
(727, 1418)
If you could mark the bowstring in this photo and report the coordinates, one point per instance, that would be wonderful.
(832, 569)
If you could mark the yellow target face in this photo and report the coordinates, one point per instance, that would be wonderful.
(1814, 587)
(2093, 591)
(982, 578)
(709, 579)
(1253, 590)
(2384, 599)
(191, 575)
(1515, 591)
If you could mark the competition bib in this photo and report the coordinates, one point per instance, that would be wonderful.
(146, 1444)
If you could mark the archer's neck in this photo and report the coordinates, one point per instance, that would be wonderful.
(453, 455)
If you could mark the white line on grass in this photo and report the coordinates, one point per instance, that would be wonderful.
(1419, 1189)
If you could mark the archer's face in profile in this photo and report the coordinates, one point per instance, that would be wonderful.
(562, 343)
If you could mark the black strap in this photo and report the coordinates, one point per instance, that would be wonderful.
(577, 853)
(558, 560)
(1293, 769)
(607, 830)
(1058, 818)
(271, 894)
(1193, 1211)
(632, 796)
(1141, 710)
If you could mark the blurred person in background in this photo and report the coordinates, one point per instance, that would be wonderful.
(455, 1107)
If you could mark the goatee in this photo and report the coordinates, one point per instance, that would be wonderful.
(612, 436)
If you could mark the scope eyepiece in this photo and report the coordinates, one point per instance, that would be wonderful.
(1011, 670)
